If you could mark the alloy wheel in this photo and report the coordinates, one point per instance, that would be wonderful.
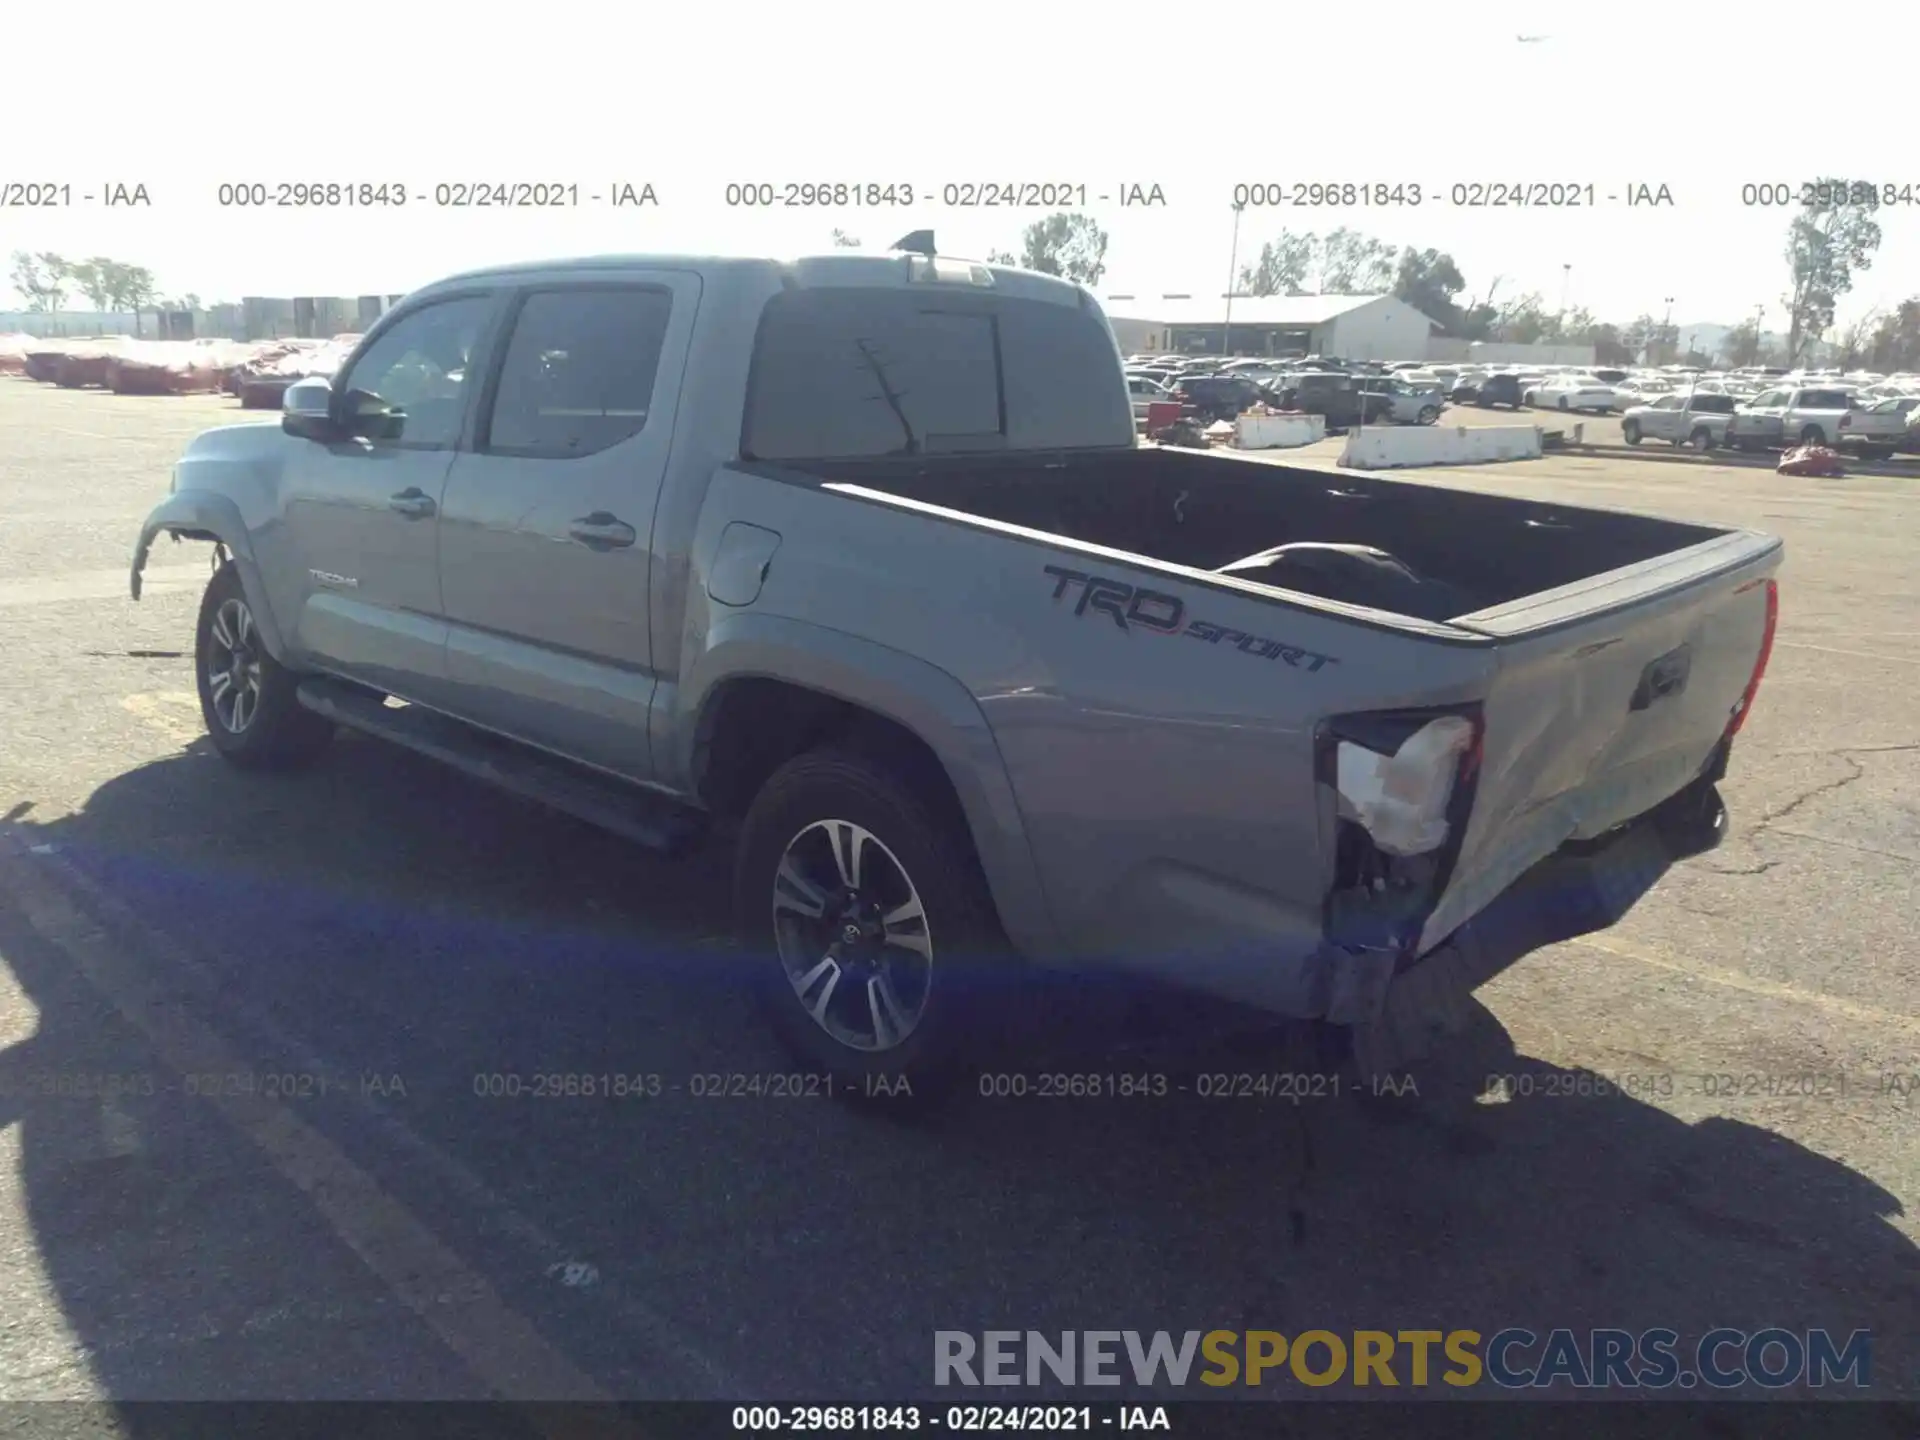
(852, 935)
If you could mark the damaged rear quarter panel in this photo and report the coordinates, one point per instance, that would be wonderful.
(1161, 749)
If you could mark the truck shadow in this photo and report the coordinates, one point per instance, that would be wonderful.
(408, 925)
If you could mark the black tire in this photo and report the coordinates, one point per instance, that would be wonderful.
(1563, 402)
(1630, 431)
(275, 732)
(926, 844)
(1428, 414)
(1813, 435)
(1701, 438)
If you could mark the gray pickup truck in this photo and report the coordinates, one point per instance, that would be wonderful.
(855, 562)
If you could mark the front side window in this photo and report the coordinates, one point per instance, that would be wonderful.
(579, 371)
(413, 378)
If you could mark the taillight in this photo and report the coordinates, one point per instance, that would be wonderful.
(1845, 421)
(1745, 707)
(1400, 793)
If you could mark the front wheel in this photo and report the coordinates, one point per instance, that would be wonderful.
(247, 698)
(862, 909)
(1630, 431)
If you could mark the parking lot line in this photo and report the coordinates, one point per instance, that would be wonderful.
(1662, 959)
(500, 1347)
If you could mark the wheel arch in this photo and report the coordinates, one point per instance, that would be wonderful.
(766, 688)
(204, 515)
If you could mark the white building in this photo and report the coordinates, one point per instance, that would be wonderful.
(1352, 327)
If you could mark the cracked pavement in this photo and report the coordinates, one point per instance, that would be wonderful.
(382, 936)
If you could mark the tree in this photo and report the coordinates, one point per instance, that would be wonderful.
(1896, 340)
(1608, 346)
(1281, 268)
(1826, 246)
(1640, 336)
(1065, 243)
(132, 290)
(844, 241)
(95, 279)
(1349, 263)
(1428, 280)
(1744, 345)
(1856, 339)
(41, 279)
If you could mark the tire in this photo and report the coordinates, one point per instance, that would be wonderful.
(814, 811)
(1428, 414)
(1563, 402)
(1630, 431)
(1701, 439)
(247, 697)
(1813, 435)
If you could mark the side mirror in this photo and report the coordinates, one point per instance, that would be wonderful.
(367, 415)
(306, 409)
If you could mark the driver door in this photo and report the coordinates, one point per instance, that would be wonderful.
(362, 511)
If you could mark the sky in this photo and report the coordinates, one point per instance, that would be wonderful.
(1701, 99)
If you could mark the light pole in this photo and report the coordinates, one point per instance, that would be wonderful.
(1666, 329)
(1233, 271)
(1759, 314)
(1566, 286)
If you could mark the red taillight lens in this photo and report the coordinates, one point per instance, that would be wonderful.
(1745, 707)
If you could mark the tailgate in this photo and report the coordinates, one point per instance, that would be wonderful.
(1609, 696)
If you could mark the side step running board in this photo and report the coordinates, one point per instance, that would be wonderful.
(626, 810)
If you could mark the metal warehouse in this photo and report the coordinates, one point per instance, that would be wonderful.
(1354, 327)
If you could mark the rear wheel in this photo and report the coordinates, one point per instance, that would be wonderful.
(1701, 439)
(1428, 414)
(1563, 402)
(873, 939)
(1813, 435)
(247, 698)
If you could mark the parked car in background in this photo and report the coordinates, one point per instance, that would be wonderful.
(1409, 404)
(1335, 397)
(1500, 388)
(1144, 390)
(1218, 397)
(1815, 415)
(1699, 420)
(1573, 393)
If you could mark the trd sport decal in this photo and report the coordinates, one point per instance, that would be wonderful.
(1153, 610)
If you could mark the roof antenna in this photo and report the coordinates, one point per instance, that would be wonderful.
(920, 242)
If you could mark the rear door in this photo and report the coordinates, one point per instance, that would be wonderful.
(1610, 695)
(545, 553)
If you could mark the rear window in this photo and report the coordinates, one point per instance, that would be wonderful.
(861, 373)
(1825, 400)
(1711, 404)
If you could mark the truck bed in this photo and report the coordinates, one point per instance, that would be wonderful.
(1467, 551)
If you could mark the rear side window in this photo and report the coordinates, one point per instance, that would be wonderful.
(841, 373)
(579, 371)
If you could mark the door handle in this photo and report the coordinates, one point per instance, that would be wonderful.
(601, 531)
(413, 502)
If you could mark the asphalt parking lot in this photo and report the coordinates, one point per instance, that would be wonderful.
(247, 1030)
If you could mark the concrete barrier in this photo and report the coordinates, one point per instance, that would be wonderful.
(1386, 447)
(1276, 432)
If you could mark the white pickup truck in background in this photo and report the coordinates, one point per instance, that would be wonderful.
(1825, 415)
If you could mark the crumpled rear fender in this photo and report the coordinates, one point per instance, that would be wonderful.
(205, 515)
